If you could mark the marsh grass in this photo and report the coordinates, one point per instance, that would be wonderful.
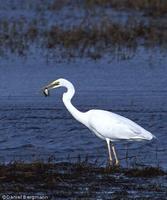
(153, 8)
(80, 179)
(106, 34)
(89, 38)
(86, 39)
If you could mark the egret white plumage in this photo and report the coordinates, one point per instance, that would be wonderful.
(106, 125)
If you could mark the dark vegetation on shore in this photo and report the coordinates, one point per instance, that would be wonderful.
(80, 180)
(90, 37)
(92, 40)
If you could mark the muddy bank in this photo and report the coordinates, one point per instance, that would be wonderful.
(82, 180)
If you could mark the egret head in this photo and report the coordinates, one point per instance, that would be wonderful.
(55, 84)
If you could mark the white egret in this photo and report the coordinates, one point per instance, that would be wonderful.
(106, 125)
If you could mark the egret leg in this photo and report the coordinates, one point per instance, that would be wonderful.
(115, 155)
(109, 151)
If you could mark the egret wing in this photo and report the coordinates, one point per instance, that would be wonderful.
(115, 127)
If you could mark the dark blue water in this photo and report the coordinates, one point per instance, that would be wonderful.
(34, 127)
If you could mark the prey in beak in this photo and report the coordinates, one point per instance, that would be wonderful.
(46, 92)
(52, 85)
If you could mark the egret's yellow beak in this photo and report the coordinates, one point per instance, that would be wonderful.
(52, 85)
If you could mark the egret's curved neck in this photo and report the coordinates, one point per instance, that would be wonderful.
(67, 96)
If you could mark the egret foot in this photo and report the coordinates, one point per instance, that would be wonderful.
(110, 163)
(117, 163)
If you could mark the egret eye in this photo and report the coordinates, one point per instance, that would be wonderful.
(46, 92)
